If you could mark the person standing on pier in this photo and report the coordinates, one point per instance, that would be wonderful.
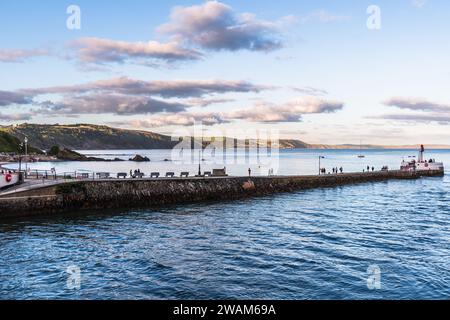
(249, 172)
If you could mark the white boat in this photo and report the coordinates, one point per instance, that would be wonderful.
(360, 150)
(8, 179)
(422, 164)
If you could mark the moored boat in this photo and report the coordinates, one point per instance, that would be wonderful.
(422, 164)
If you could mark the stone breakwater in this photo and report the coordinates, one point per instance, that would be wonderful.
(109, 194)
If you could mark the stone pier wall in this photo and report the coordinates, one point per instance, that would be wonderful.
(105, 194)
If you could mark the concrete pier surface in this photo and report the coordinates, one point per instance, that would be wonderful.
(53, 197)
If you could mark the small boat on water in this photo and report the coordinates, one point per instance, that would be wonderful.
(422, 164)
(360, 151)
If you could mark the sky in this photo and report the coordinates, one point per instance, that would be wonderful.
(329, 72)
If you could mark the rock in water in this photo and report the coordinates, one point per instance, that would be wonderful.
(139, 158)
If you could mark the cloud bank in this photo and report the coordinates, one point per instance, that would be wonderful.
(126, 96)
(419, 118)
(165, 89)
(261, 112)
(416, 104)
(430, 111)
(8, 98)
(102, 51)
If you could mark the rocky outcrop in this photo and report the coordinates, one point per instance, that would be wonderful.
(70, 155)
(139, 158)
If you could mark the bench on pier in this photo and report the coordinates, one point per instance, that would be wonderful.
(220, 172)
(207, 174)
(122, 175)
(103, 175)
(83, 175)
(184, 175)
(138, 175)
(154, 175)
(170, 174)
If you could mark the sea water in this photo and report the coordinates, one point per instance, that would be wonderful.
(366, 241)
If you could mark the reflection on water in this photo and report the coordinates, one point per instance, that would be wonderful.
(309, 244)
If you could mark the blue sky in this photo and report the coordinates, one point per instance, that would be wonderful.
(311, 69)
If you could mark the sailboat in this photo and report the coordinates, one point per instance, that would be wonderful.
(360, 149)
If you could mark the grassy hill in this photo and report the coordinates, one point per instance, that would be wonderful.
(11, 144)
(8, 143)
(89, 137)
(95, 137)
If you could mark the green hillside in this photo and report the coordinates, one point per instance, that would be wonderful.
(89, 137)
(11, 144)
(96, 137)
(8, 143)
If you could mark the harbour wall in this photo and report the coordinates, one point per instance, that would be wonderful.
(145, 193)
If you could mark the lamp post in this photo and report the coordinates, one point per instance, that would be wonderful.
(20, 157)
(26, 156)
(320, 167)
(199, 163)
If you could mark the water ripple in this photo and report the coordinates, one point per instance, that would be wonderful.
(314, 244)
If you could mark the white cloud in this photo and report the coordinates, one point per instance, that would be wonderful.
(287, 112)
(418, 3)
(20, 55)
(101, 51)
(215, 26)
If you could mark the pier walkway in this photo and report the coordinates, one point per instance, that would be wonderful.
(36, 197)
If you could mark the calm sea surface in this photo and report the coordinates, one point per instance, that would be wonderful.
(314, 244)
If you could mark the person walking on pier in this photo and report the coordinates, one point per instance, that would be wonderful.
(249, 172)
(373, 169)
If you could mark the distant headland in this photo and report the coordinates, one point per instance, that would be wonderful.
(99, 137)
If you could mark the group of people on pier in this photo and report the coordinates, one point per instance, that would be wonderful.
(368, 169)
(334, 170)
